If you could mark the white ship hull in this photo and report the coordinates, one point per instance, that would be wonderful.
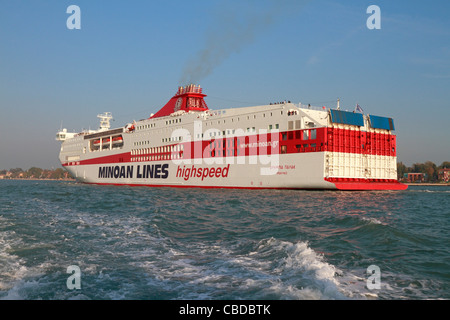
(293, 172)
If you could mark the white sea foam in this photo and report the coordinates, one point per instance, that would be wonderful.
(372, 220)
(11, 266)
(274, 269)
(302, 272)
(428, 191)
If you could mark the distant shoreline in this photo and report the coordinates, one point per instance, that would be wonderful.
(428, 184)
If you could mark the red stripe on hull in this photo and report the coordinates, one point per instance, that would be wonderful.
(366, 184)
(114, 159)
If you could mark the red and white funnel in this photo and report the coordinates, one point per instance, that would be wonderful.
(188, 98)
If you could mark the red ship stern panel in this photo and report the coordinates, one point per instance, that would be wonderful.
(366, 184)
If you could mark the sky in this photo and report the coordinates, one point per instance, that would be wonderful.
(129, 57)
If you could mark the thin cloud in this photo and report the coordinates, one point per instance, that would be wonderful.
(235, 27)
(313, 60)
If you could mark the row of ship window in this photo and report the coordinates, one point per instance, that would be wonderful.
(179, 155)
(152, 125)
(162, 149)
(146, 126)
(178, 120)
(216, 149)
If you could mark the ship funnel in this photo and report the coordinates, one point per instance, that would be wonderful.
(189, 98)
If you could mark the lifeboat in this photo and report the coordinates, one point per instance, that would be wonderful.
(117, 140)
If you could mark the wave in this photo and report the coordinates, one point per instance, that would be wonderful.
(302, 272)
(13, 269)
(268, 269)
(11, 266)
(440, 190)
(373, 220)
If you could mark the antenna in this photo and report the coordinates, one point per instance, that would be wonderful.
(104, 121)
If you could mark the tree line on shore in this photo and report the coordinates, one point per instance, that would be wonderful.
(429, 169)
(35, 173)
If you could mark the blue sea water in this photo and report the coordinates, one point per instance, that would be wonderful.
(170, 243)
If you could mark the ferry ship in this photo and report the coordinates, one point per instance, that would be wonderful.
(275, 146)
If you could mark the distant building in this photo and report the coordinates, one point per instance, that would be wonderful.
(415, 177)
(444, 175)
